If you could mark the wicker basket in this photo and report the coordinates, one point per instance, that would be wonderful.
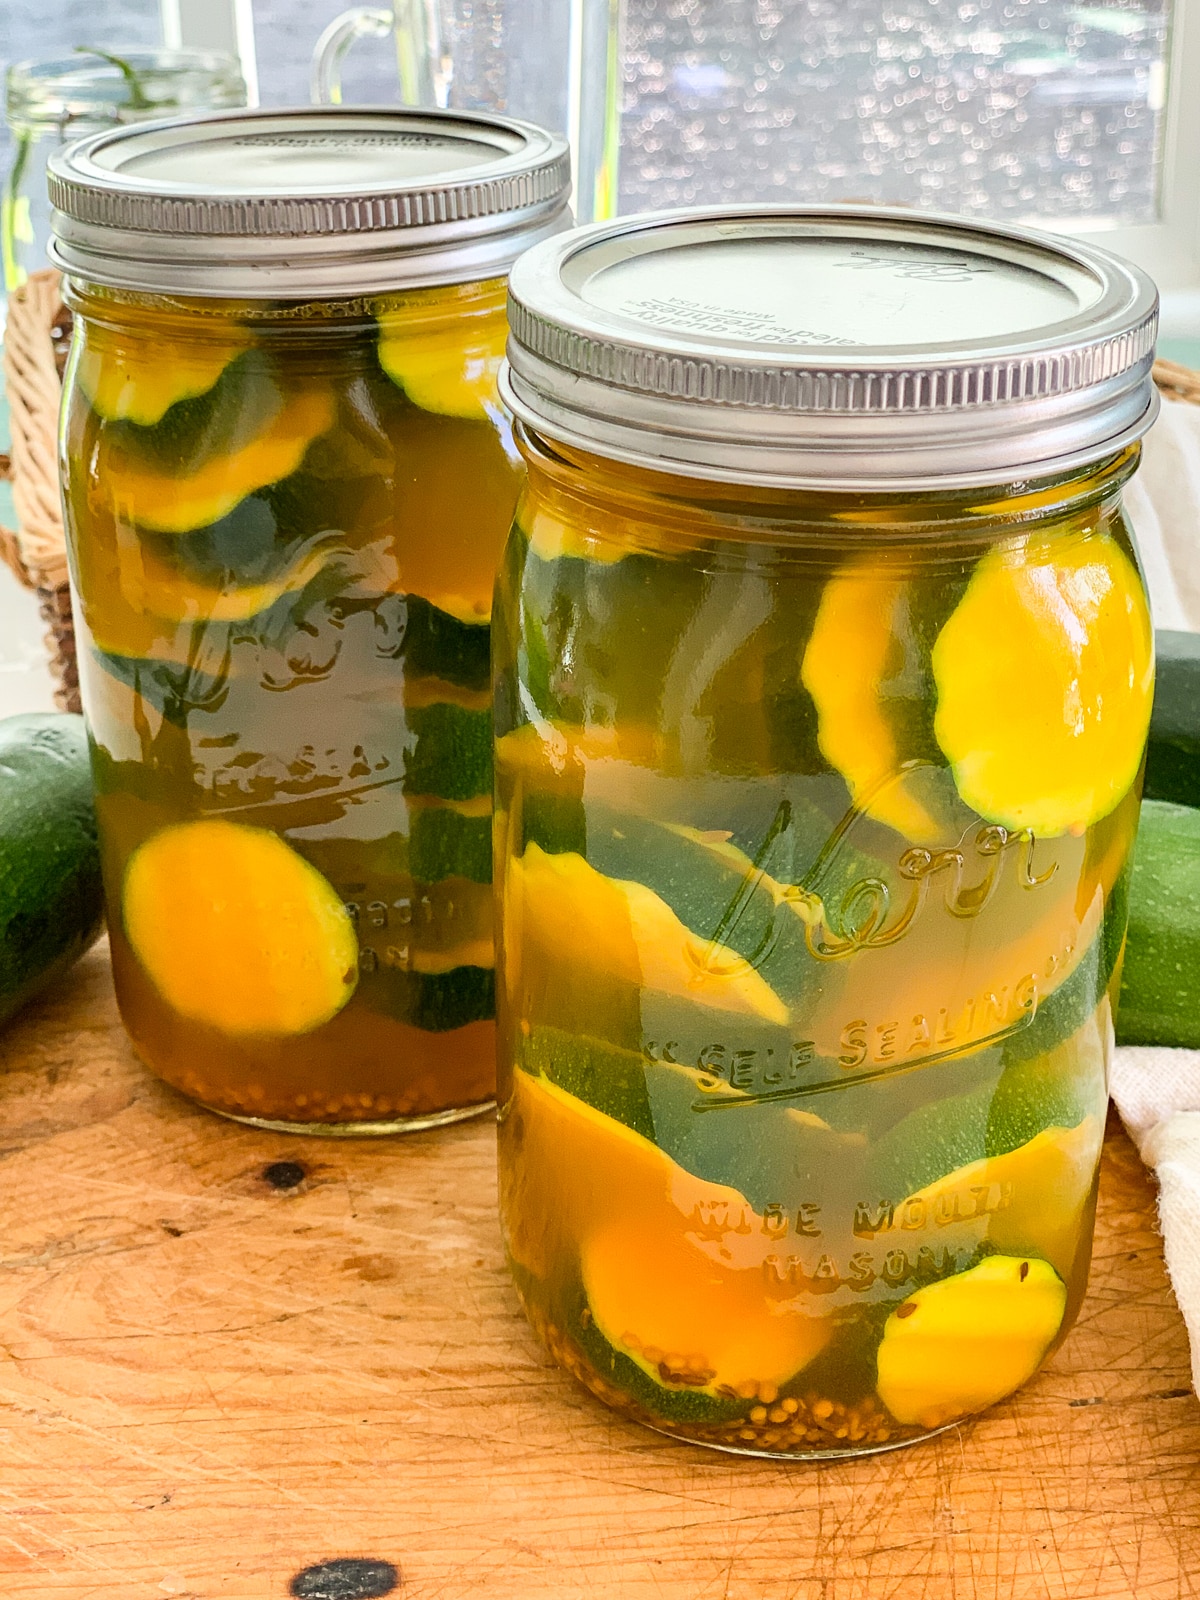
(35, 353)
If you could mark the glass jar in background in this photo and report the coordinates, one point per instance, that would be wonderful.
(288, 481)
(50, 103)
(823, 674)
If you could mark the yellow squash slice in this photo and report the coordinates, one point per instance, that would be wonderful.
(130, 379)
(671, 1264)
(562, 914)
(963, 1343)
(1032, 1196)
(238, 931)
(445, 370)
(163, 503)
(1045, 676)
(149, 585)
(859, 641)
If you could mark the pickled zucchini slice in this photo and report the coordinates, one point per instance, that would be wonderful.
(161, 502)
(1052, 1179)
(538, 756)
(1031, 1198)
(439, 643)
(445, 839)
(558, 535)
(450, 839)
(152, 611)
(962, 1344)
(449, 371)
(435, 1002)
(685, 1299)
(772, 1153)
(238, 931)
(713, 887)
(1045, 676)
(1057, 1091)
(858, 655)
(564, 917)
(610, 1080)
(139, 380)
(679, 1315)
(151, 585)
(702, 877)
(449, 752)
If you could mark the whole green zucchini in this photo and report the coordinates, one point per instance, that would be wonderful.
(1173, 753)
(1160, 984)
(51, 905)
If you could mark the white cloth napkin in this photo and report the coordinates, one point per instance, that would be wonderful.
(1163, 500)
(1157, 1092)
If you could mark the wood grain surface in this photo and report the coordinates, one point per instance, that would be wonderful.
(210, 1383)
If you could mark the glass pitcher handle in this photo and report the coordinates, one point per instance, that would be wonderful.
(332, 48)
(418, 51)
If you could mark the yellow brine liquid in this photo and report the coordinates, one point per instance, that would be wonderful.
(813, 826)
(284, 524)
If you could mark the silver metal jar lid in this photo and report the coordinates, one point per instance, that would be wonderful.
(311, 202)
(842, 348)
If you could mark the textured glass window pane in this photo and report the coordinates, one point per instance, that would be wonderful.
(986, 107)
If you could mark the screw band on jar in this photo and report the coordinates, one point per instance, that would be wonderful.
(337, 201)
(979, 354)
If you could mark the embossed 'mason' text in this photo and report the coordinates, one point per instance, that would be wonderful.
(859, 1272)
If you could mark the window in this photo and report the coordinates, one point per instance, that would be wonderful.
(1071, 114)
(51, 27)
(996, 108)
(1076, 114)
(54, 27)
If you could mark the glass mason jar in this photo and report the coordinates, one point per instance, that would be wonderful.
(823, 674)
(51, 102)
(288, 480)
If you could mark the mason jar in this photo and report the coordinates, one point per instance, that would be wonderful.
(50, 102)
(288, 479)
(823, 674)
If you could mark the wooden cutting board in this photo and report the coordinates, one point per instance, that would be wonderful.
(212, 1384)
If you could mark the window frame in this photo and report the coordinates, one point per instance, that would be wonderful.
(1168, 249)
(214, 25)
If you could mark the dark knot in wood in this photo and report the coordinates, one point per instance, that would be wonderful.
(350, 1578)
